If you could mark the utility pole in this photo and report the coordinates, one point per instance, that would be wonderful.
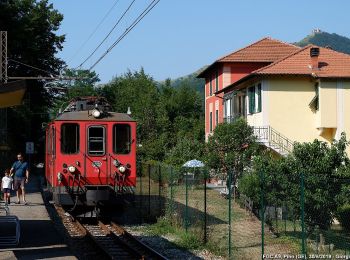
(3, 111)
(3, 56)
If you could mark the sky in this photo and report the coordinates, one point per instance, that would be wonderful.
(178, 37)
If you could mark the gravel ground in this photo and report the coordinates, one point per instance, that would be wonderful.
(165, 245)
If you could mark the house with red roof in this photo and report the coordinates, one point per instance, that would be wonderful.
(285, 92)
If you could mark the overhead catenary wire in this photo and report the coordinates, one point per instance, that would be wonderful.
(115, 25)
(33, 67)
(136, 21)
(93, 32)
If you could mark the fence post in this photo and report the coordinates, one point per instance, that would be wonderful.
(186, 207)
(141, 196)
(302, 216)
(262, 215)
(205, 205)
(229, 214)
(171, 192)
(159, 190)
(149, 190)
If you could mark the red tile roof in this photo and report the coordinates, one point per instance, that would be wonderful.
(331, 64)
(264, 50)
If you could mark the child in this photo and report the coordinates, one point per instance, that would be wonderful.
(6, 186)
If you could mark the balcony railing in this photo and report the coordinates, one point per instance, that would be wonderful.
(268, 136)
(273, 139)
(232, 119)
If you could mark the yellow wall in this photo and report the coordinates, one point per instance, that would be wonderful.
(345, 120)
(327, 113)
(289, 111)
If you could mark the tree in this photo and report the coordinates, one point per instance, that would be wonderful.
(231, 147)
(31, 27)
(82, 84)
(321, 165)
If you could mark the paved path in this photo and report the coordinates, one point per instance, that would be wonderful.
(39, 239)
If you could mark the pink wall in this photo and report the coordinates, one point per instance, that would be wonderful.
(238, 71)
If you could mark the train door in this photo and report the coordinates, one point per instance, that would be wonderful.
(96, 154)
(50, 154)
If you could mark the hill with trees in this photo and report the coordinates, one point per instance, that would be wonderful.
(325, 39)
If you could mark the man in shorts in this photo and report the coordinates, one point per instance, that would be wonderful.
(21, 171)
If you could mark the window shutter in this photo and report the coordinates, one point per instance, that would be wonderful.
(251, 93)
(216, 81)
(259, 97)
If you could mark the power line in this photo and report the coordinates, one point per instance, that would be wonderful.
(30, 66)
(107, 35)
(93, 32)
(136, 21)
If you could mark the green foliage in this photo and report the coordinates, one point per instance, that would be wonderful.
(322, 166)
(185, 149)
(323, 39)
(231, 147)
(31, 29)
(81, 86)
(164, 115)
(343, 215)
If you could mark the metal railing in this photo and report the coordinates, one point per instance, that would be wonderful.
(232, 119)
(273, 139)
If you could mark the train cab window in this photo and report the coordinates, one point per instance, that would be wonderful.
(96, 140)
(121, 139)
(70, 138)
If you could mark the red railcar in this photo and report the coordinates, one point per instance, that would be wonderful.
(90, 153)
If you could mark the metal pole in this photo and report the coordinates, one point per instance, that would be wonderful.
(302, 215)
(171, 192)
(262, 215)
(229, 215)
(205, 207)
(149, 190)
(141, 196)
(159, 189)
(186, 209)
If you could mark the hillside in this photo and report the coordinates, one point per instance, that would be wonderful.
(323, 39)
(190, 80)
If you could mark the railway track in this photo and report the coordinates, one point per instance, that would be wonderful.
(112, 240)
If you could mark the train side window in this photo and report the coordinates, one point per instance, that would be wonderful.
(121, 139)
(70, 138)
(96, 140)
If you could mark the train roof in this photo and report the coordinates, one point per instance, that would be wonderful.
(87, 116)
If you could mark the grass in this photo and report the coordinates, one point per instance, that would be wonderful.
(245, 229)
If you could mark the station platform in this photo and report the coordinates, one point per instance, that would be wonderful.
(38, 237)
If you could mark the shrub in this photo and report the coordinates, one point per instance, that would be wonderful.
(343, 215)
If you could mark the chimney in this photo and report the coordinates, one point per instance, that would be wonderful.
(314, 53)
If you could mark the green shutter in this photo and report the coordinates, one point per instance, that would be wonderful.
(251, 93)
(217, 81)
(259, 97)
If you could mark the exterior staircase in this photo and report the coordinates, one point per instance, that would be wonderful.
(272, 139)
(268, 137)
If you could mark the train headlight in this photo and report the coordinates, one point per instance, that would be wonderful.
(96, 113)
(122, 169)
(71, 169)
(116, 163)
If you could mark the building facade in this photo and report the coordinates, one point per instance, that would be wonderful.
(285, 92)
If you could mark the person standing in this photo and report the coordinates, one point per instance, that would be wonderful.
(21, 171)
(6, 186)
